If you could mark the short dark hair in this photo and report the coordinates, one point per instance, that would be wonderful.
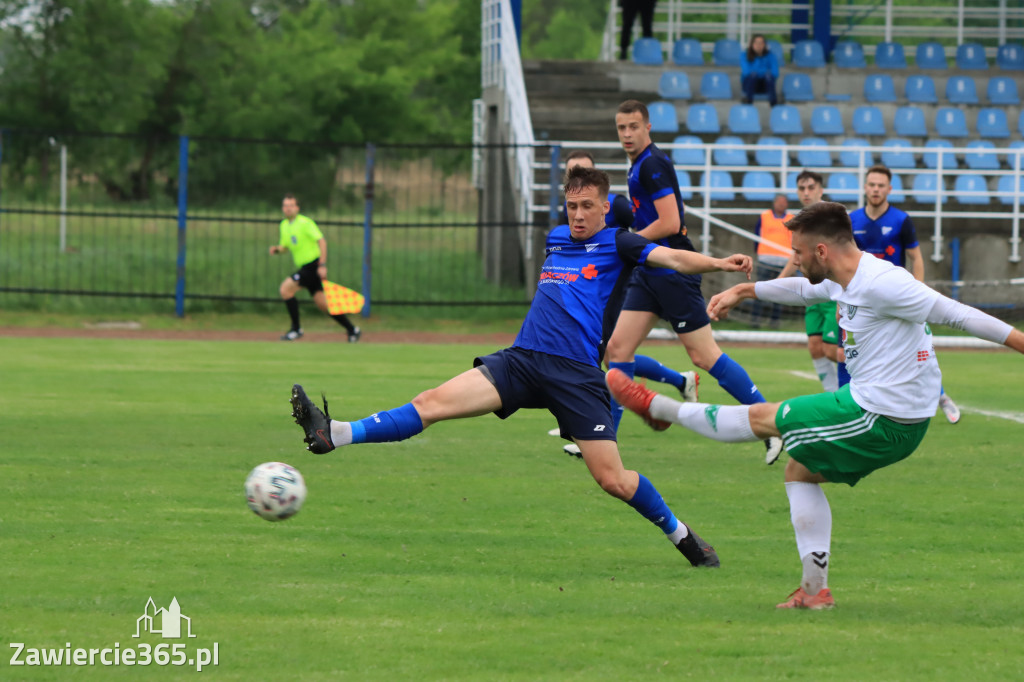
(879, 168)
(292, 197)
(826, 219)
(810, 175)
(579, 154)
(582, 176)
(632, 106)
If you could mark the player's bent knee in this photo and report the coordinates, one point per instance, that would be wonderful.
(615, 484)
(428, 406)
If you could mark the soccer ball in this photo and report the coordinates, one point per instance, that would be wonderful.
(275, 491)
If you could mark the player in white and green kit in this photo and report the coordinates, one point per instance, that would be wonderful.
(878, 419)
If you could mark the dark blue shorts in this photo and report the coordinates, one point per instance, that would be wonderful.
(308, 277)
(572, 391)
(673, 297)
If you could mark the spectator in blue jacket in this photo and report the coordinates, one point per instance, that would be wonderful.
(758, 70)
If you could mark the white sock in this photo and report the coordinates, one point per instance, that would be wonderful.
(341, 433)
(726, 423)
(812, 522)
(678, 534)
(827, 373)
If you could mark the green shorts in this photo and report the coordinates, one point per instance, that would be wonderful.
(820, 320)
(832, 435)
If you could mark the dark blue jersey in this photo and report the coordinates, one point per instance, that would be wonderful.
(620, 214)
(888, 237)
(650, 178)
(576, 282)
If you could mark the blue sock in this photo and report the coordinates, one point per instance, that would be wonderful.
(647, 500)
(942, 389)
(390, 425)
(844, 376)
(649, 368)
(628, 368)
(735, 380)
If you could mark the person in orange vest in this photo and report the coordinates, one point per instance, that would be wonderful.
(771, 259)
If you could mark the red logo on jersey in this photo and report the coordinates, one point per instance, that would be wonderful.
(568, 277)
(889, 250)
(589, 272)
(923, 355)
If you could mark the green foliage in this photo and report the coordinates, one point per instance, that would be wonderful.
(561, 29)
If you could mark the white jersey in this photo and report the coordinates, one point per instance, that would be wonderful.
(889, 352)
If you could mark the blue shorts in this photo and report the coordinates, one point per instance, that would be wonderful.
(673, 297)
(572, 391)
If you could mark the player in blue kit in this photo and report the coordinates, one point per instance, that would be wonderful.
(554, 361)
(886, 232)
(656, 292)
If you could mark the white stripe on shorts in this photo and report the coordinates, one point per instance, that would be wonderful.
(832, 432)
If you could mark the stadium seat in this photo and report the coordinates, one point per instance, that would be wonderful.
(961, 90)
(647, 51)
(826, 120)
(890, 56)
(924, 189)
(909, 122)
(797, 87)
(920, 90)
(970, 183)
(775, 47)
(1020, 122)
(850, 157)
(931, 159)
(971, 56)
(785, 120)
(808, 54)
(1003, 90)
(992, 123)
(842, 187)
(769, 157)
(674, 85)
(715, 85)
(729, 157)
(691, 156)
(1010, 57)
(849, 55)
(950, 122)
(758, 186)
(702, 118)
(867, 120)
(726, 52)
(790, 188)
(687, 52)
(897, 153)
(931, 56)
(897, 195)
(663, 117)
(809, 154)
(683, 178)
(744, 119)
(980, 157)
(1007, 187)
(721, 185)
(879, 88)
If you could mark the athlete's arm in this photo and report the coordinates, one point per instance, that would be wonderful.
(692, 263)
(916, 262)
(321, 269)
(959, 316)
(667, 223)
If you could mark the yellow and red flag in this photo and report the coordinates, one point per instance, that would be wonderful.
(341, 299)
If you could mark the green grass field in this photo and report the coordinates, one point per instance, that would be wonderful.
(477, 550)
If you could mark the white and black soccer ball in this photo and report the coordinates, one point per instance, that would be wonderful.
(275, 491)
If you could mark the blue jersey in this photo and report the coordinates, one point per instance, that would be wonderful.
(888, 237)
(576, 282)
(650, 178)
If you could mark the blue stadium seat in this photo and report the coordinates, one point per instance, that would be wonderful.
(721, 185)
(980, 157)
(950, 122)
(758, 186)
(702, 118)
(849, 55)
(931, 56)
(971, 56)
(897, 196)
(687, 52)
(769, 157)
(647, 51)
(970, 183)
(775, 47)
(663, 117)
(790, 187)
(879, 88)
(842, 187)
(785, 120)
(909, 122)
(674, 85)
(808, 54)
(992, 123)
(726, 52)
(961, 90)
(729, 157)
(715, 85)
(1010, 57)
(850, 158)
(810, 154)
(920, 90)
(826, 120)
(692, 156)
(931, 159)
(797, 87)
(897, 153)
(1020, 122)
(924, 189)
(1002, 90)
(890, 56)
(867, 120)
(683, 178)
(744, 119)
(1008, 187)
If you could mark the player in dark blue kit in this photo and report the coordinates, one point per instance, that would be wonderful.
(554, 362)
(656, 292)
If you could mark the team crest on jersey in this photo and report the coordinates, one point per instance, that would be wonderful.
(851, 310)
(591, 247)
(886, 230)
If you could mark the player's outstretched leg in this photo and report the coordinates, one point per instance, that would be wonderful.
(324, 434)
(649, 503)
(649, 368)
(316, 424)
(633, 397)
(734, 379)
